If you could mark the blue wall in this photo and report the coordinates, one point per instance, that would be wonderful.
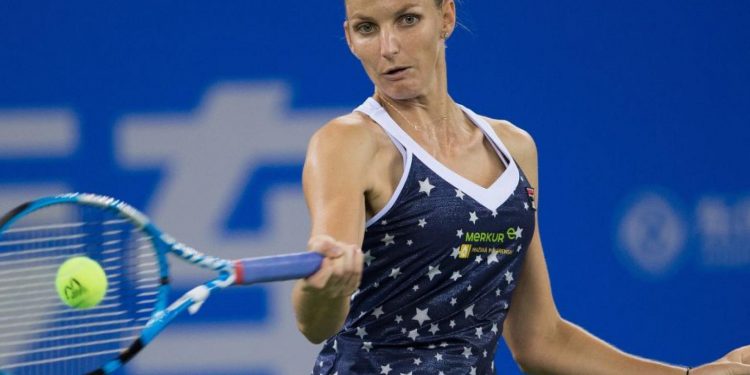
(640, 111)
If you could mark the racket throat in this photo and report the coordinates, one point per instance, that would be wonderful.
(197, 297)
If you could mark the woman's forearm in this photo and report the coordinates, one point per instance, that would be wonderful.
(318, 316)
(573, 351)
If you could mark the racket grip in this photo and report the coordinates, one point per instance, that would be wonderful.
(276, 268)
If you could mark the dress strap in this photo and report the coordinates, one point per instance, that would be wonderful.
(373, 110)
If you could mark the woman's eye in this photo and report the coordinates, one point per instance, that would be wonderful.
(410, 19)
(365, 28)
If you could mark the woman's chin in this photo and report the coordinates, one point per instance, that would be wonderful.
(399, 91)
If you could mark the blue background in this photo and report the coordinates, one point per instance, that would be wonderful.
(622, 98)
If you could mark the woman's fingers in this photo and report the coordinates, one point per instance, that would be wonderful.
(340, 271)
(325, 245)
(739, 355)
(319, 279)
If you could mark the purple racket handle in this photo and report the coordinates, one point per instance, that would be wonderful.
(276, 268)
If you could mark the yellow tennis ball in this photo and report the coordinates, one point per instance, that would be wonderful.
(81, 282)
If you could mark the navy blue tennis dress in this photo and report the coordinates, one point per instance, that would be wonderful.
(441, 262)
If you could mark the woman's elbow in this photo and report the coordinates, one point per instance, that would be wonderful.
(525, 356)
(314, 337)
(531, 350)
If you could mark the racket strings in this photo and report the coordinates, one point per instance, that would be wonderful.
(41, 335)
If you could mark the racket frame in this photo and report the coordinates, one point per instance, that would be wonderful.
(263, 269)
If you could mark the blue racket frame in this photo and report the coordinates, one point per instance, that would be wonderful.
(230, 272)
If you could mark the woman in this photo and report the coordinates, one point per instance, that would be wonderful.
(443, 203)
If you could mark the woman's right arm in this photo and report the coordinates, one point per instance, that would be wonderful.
(335, 181)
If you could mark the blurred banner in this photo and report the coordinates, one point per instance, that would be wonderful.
(199, 113)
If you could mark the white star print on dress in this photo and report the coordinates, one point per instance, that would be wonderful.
(413, 335)
(395, 272)
(388, 239)
(508, 277)
(378, 312)
(421, 316)
(368, 257)
(384, 370)
(422, 223)
(473, 217)
(433, 271)
(454, 253)
(425, 186)
(492, 258)
(367, 346)
(459, 194)
(456, 275)
(361, 332)
(460, 233)
(469, 311)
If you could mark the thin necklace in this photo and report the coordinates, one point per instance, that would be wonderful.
(387, 101)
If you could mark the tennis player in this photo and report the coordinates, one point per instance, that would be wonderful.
(426, 213)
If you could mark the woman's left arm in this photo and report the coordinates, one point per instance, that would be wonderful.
(542, 342)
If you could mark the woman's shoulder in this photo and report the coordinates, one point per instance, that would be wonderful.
(518, 141)
(353, 134)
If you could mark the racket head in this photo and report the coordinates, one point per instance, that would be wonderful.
(41, 335)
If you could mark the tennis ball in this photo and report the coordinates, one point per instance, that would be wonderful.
(81, 282)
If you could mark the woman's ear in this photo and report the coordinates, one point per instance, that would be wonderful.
(449, 18)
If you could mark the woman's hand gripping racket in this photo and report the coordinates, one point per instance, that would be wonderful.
(39, 334)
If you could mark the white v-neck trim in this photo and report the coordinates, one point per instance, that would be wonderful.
(491, 197)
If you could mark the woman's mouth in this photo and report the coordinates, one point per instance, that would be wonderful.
(396, 73)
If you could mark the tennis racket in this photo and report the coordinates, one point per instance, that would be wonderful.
(41, 335)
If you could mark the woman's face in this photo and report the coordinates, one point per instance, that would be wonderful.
(399, 42)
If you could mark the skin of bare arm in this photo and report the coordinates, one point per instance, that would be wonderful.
(350, 171)
(541, 341)
(334, 186)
